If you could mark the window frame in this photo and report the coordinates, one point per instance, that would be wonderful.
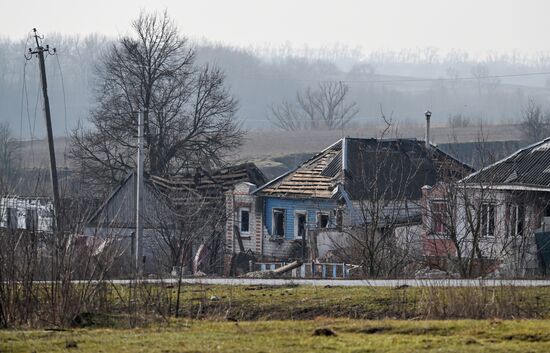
(435, 220)
(517, 218)
(298, 213)
(491, 209)
(318, 218)
(245, 209)
(31, 219)
(12, 222)
(274, 232)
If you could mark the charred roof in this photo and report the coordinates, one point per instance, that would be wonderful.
(210, 183)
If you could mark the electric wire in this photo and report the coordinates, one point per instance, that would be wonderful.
(403, 80)
(64, 107)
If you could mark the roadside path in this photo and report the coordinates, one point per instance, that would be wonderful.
(351, 283)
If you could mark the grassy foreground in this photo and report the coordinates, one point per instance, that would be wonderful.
(293, 336)
(245, 303)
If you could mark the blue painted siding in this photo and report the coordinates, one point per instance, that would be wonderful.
(292, 205)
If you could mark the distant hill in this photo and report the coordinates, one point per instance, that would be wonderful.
(404, 86)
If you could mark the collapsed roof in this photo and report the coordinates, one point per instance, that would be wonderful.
(189, 190)
(209, 185)
(368, 168)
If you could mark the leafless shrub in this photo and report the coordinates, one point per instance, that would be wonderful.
(535, 123)
(321, 108)
(458, 121)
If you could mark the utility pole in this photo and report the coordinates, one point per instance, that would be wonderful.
(138, 240)
(39, 51)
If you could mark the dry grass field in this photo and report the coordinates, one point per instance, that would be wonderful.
(318, 335)
(263, 145)
(305, 319)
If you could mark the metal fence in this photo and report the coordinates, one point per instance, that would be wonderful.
(308, 270)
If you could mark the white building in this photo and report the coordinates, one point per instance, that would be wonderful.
(30, 213)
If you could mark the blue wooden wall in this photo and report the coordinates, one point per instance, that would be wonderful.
(312, 206)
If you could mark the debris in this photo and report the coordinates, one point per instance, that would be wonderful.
(214, 298)
(323, 331)
(259, 274)
(434, 274)
(291, 266)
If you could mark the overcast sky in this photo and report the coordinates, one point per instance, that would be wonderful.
(477, 26)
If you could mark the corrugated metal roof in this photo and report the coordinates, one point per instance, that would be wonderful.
(529, 166)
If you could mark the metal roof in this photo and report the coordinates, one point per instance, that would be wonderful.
(357, 162)
(527, 167)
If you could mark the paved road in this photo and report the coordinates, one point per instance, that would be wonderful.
(354, 283)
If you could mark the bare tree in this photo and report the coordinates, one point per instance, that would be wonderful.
(458, 121)
(535, 124)
(9, 149)
(473, 230)
(184, 219)
(321, 108)
(189, 114)
(382, 228)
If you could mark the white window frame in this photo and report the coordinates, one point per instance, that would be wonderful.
(241, 209)
(296, 222)
(485, 228)
(514, 219)
(433, 219)
(318, 219)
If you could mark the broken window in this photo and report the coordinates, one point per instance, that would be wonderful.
(300, 221)
(279, 222)
(339, 218)
(244, 220)
(323, 220)
(12, 218)
(517, 219)
(439, 216)
(487, 220)
(31, 219)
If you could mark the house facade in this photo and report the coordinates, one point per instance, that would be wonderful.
(29, 213)
(495, 220)
(305, 213)
(183, 217)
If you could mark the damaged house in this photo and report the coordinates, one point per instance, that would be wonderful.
(322, 210)
(183, 218)
(29, 213)
(493, 221)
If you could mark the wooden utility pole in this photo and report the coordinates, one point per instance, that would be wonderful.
(138, 241)
(39, 51)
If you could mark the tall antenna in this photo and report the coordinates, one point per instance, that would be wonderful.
(39, 52)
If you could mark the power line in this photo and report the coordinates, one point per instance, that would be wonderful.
(64, 106)
(404, 80)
